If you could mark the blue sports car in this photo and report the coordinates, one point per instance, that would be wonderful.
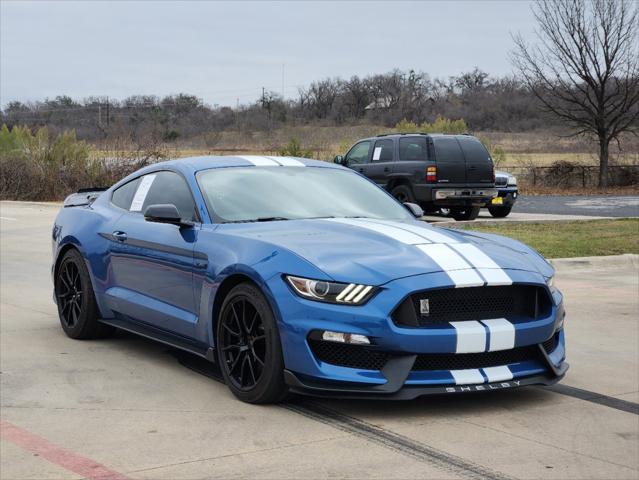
(302, 276)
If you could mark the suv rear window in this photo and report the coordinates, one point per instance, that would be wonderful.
(413, 149)
(447, 149)
(383, 151)
(474, 151)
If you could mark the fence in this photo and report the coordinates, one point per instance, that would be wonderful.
(566, 174)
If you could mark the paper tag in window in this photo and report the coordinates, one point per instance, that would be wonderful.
(377, 153)
(141, 192)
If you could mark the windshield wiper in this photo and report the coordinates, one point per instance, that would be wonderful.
(259, 219)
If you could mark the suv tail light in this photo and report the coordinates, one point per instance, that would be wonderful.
(431, 174)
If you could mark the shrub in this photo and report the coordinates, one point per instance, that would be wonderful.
(440, 125)
(294, 149)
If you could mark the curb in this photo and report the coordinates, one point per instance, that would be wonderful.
(492, 223)
(606, 261)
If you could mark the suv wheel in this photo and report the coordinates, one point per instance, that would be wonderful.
(403, 194)
(499, 212)
(464, 213)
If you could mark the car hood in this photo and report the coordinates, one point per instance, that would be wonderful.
(375, 252)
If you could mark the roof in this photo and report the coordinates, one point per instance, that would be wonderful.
(194, 164)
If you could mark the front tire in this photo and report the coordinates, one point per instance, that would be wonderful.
(249, 347)
(464, 213)
(500, 212)
(77, 309)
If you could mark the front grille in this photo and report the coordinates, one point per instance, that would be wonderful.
(475, 303)
(501, 181)
(344, 355)
(461, 361)
(365, 358)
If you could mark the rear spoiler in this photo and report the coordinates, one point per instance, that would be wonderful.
(83, 197)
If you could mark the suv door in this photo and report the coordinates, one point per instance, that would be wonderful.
(382, 161)
(450, 161)
(152, 263)
(358, 156)
(479, 164)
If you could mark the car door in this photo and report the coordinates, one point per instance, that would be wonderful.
(152, 264)
(358, 156)
(381, 164)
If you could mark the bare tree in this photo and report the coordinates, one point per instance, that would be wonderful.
(585, 67)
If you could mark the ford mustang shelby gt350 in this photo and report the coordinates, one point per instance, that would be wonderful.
(302, 276)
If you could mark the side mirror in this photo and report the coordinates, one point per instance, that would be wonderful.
(165, 213)
(415, 209)
(340, 159)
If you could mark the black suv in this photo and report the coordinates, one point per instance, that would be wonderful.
(434, 170)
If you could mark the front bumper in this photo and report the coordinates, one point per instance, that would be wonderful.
(307, 374)
(508, 197)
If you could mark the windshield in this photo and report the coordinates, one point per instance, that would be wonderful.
(245, 194)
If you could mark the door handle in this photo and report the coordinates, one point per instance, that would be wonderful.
(119, 236)
(360, 170)
(386, 169)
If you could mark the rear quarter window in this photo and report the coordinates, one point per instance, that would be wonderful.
(122, 196)
(413, 149)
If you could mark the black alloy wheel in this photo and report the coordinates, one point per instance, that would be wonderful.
(70, 294)
(248, 346)
(244, 343)
(77, 309)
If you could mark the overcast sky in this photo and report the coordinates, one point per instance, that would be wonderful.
(222, 51)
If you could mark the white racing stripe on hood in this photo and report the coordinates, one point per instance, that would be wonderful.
(459, 271)
(492, 272)
(288, 161)
(428, 233)
(395, 233)
(260, 161)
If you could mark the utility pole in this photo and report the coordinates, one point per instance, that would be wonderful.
(107, 112)
(282, 82)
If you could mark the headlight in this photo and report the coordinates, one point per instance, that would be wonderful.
(512, 180)
(331, 292)
(550, 281)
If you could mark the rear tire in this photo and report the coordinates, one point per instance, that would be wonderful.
(249, 347)
(403, 194)
(500, 212)
(77, 309)
(464, 213)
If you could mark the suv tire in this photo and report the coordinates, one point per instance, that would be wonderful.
(500, 212)
(403, 193)
(464, 213)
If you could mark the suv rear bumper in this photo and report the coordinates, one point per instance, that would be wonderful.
(454, 195)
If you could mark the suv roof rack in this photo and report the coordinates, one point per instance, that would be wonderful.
(401, 133)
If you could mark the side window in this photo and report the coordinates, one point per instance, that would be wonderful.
(413, 149)
(447, 150)
(122, 196)
(383, 151)
(359, 153)
(161, 188)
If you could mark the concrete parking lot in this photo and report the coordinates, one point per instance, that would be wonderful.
(126, 407)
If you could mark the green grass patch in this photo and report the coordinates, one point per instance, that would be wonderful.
(586, 238)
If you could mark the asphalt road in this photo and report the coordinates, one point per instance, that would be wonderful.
(590, 205)
(127, 407)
